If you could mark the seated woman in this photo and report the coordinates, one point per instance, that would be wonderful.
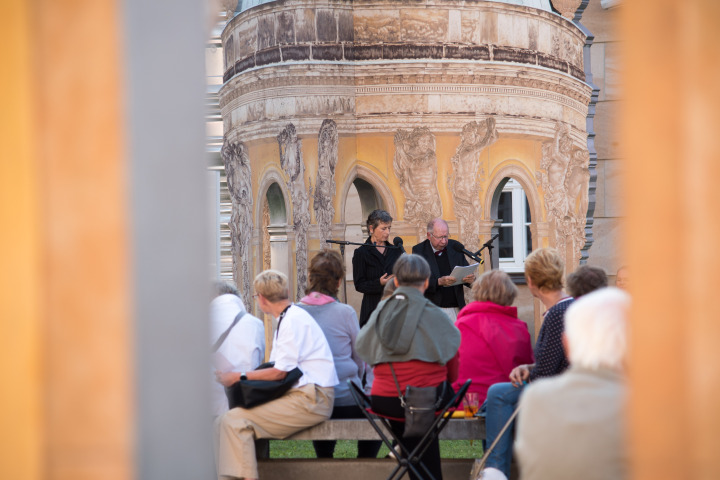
(544, 270)
(493, 341)
(413, 335)
(298, 342)
(339, 323)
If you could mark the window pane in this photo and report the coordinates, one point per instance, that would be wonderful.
(527, 211)
(505, 242)
(505, 207)
(529, 241)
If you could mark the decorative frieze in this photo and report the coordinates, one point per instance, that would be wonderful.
(325, 180)
(464, 179)
(565, 178)
(415, 167)
(292, 164)
(239, 182)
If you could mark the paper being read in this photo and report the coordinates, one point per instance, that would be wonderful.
(221, 363)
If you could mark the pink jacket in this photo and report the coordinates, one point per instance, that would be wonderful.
(493, 342)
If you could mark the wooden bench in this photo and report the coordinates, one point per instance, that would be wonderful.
(364, 469)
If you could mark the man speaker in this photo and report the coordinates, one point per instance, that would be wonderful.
(440, 253)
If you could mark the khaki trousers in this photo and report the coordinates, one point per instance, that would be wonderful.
(238, 428)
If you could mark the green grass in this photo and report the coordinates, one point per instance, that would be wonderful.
(348, 449)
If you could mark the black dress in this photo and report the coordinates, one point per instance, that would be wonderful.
(368, 266)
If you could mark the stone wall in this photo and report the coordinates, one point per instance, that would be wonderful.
(434, 104)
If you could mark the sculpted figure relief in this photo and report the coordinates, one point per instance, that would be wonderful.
(266, 236)
(415, 167)
(292, 164)
(565, 178)
(325, 181)
(464, 178)
(239, 178)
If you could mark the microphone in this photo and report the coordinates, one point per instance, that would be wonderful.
(489, 242)
(398, 242)
(459, 247)
(339, 242)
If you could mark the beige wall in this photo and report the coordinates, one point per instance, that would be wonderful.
(67, 410)
(669, 134)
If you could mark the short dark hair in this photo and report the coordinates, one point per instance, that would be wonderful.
(585, 280)
(411, 270)
(324, 273)
(377, 217)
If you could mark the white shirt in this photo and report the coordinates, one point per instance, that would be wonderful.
(300, 342)
(243, 348)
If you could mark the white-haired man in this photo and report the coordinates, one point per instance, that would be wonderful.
(571, 426)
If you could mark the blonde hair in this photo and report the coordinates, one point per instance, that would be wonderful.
(544, 267)
(272, 285)
(494, 286)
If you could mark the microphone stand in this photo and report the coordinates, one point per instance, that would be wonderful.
(489, 246)
(342, 244)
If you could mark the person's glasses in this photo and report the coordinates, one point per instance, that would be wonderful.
(444, 237)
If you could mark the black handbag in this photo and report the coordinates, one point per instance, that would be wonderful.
(420, 404)
(251, 393)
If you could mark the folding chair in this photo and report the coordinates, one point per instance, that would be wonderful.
(407, 460)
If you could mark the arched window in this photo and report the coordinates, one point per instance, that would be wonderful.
(513, 222)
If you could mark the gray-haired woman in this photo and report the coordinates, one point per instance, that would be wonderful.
(418, 339)
(373, 262)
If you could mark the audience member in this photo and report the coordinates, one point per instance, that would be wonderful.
(572, 426)
(493, 341)
(243, 348)
(299, 342)
(585, 280)
(414, 336)
(543, 272)
(622, 277)
(339, 323)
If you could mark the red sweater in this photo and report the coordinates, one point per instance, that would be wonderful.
(413, 372)
(493, 342)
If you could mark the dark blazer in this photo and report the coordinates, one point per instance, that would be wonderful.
(368, 266)
(456, 258)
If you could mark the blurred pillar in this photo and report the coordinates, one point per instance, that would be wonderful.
(103, 278)
(672, 148)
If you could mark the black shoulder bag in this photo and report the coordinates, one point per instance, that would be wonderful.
(420, 404)
(251, 393)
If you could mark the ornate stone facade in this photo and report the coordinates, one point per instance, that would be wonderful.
(565, 178)
(415, 167)
(239, 181)
(464, 179)
(409, 97)
(293, 165)
(325, 180)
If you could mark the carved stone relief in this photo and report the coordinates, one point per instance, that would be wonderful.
(565, 178)
(423, 25)
(325, 180)
(292, 164)
(369, 27)
(237, 169)
(564, 48)
(229, 53)
(415, 166)
(464, 179)
(266, 236)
